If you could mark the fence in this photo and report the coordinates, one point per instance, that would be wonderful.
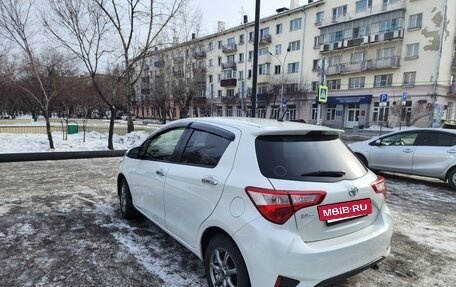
(41, 129)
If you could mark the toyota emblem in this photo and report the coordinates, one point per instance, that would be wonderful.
(353, 191)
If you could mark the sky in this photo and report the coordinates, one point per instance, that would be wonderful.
(231, 11)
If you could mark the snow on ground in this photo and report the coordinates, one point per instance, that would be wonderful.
(17, 143)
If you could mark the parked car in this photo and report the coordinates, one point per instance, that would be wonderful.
(427, 152)
(261, 202)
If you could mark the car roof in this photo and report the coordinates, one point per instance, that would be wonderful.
(262, 126)
(453, 131)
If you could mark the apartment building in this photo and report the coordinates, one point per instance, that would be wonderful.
(389, 62)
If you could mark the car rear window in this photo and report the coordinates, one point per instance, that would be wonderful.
(315, 156)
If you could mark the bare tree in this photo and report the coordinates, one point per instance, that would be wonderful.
(410, 115)
(16, 26)
(137, 25)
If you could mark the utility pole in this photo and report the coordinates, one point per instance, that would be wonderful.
(322, 64)
(255, 58)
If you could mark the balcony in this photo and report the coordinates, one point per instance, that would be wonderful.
(267, 39)
(199, 54)
(264, 79)
(367, 65)
(231, 48)
(372, 39)
(229, 65)
(228, 82)
(377, 8)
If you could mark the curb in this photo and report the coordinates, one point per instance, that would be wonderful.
(37, 156)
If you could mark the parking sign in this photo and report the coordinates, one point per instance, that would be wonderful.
(383, 99)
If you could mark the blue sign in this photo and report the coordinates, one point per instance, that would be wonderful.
(383, 98)
(346, 100)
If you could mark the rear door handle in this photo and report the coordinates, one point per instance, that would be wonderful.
(210, 180)
(451, 151)
(160, 172)
(407, 150)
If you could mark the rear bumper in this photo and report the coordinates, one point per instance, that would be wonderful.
(283, 253)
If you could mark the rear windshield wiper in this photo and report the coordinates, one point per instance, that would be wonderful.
(325, 173)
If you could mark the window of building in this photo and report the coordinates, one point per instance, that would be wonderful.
(356, 82)
(249, 73)
(264, 33)
(406, 111)
(295, 45)
(219, 93)
(412, 50)
(220, 44)
(210, 62)
(263, 51)
(239, 111)
(250, 55)
(386, 53)
(241, 39)
(263, 69)
(314, 112)
(219, 61)
(295, 24)
(333, 84)
(251, 36)
(315, 64)
(230, 92)
(230, 59)
(211, 78)
(279, 28)
(277, 70)
(339, 12)
(409, 78)
(315, 85)
(319, 17)
(241, 75)
(334, 60)
(278, 49)
(241, 57)
(231, 42)
(357, 57)
(229, 111)
(293, 67)
(363, 5)
(330, 112)
(383, 80)
(415, 21)
(389, 25)
(380, 113)
(290, 113)
(210, 46)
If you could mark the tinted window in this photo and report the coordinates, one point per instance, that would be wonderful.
(162, 146)
(311, 157)
(204, 149)
(437, 139)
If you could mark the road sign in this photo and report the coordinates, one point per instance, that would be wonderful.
(383, 99)
(322, 63)
(404, 98)
(322, 93)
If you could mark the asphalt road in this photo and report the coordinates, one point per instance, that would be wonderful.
(60, 226)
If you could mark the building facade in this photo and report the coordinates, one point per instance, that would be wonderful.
(388, 62)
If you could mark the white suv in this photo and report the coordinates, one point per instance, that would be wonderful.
(262, 202)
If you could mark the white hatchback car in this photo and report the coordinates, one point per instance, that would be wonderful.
(261, 202)
(427, 152)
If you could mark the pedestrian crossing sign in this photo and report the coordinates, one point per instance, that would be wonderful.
(322, 94)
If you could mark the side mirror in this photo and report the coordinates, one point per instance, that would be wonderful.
(376, 143)
(133, 152)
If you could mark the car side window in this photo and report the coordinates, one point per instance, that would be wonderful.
(204, 149)
(437, 139)
(400, 139)
(162, 146)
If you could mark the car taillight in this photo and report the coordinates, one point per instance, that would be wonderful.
(278, 206)
(379, 185)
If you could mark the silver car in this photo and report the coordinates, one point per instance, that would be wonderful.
(429, 152)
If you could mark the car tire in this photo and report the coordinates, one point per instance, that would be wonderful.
(224, 264)
(452, 178)
(127, 209)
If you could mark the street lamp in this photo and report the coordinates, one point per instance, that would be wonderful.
(282, 104)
